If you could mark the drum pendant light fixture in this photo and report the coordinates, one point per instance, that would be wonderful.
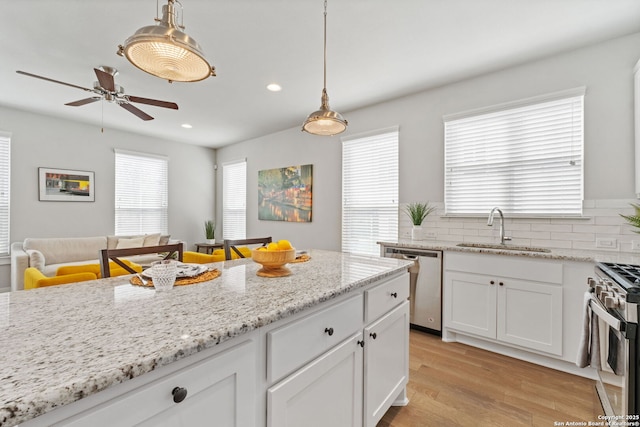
(324, 121)
(164, 51)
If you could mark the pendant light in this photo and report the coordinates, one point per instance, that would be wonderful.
(164, 51)
(324, 121)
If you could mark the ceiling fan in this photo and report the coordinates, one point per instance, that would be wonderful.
(106, 88)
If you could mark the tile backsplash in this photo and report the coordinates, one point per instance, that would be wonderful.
(600, 228)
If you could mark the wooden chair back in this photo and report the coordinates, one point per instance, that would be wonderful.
(232, 245)
(115, 254)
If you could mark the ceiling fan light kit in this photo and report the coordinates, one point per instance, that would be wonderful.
(164, 51)
(324, 121)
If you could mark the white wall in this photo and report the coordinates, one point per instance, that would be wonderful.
(605, 69)
(44, 141)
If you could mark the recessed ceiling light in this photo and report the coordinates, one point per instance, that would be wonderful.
(186, 125)
(274, 87)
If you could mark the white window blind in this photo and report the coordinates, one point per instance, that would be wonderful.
(526, 159)
(142, 193)
(5, 186)
(369, 191)
(234, 200)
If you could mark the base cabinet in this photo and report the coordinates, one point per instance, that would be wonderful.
(386, 362)
(218, 390)
(326, 392)
(512, 301)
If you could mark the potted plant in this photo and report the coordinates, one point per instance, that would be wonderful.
(634, 220)
(210, 231)
(417, 212)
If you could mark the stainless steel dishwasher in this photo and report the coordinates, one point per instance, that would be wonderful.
(425, 296)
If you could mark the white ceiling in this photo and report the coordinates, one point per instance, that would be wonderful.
(377, 50)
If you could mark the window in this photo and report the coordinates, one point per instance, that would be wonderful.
(525, 158)
(234, 200)
(142, 193)
(5, 186)
(369, 191)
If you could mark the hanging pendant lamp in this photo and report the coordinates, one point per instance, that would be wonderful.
(324, 121)
(164, 51)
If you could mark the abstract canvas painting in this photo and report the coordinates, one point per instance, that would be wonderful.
(284, 194)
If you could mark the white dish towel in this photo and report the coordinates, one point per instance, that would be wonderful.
(589, 347)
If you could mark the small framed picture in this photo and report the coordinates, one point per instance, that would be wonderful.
(64, 185)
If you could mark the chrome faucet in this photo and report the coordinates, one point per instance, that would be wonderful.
(490, 223)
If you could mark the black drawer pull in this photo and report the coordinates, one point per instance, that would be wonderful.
(373, 335)
(328, 331)
(394, 294)
(179, 394)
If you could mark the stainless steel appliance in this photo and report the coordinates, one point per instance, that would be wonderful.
(425, 296)
(614, 305)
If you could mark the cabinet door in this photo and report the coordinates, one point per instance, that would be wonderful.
(221, 391)
(386, 362)
(530, 315)
(470, 303)
(325, 392)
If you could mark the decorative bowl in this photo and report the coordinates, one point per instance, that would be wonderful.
(273, 262)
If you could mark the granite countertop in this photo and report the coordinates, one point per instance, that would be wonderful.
(64, 342)
(558, 254)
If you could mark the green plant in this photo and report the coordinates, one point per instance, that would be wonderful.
(633, 220)
(210, 229)
(418, 211)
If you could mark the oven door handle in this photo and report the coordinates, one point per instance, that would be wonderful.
(602, 313)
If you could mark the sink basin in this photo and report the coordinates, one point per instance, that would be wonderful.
(502, 247)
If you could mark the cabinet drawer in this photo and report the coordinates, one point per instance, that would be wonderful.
(386, 296)
(295, 344)
(218, 388)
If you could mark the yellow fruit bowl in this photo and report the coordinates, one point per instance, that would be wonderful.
(273, 262)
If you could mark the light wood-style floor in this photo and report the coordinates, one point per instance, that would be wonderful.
(452, 384)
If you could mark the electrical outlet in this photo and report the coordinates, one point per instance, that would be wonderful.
(635, 245)
(606, 243)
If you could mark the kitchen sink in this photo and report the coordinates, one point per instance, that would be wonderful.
(502, 247)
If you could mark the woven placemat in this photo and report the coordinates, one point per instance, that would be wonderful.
(181, 281)
(301, 258)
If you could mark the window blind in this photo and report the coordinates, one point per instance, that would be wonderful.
(527, 160)
(5, 186)
(142, 193)
(234, 200)
(369, 191)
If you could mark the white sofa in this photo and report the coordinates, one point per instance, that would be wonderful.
(48, 254)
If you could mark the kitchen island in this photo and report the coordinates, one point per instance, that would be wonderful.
(88, 342)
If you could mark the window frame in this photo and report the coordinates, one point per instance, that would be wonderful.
(234, 200)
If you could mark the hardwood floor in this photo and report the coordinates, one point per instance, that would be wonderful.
(452, 384)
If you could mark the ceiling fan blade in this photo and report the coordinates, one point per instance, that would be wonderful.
(138, 112)
(82, 102)
(153, 102)
(54, 81)
(106, 80)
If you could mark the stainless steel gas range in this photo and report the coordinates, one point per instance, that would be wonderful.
(614, 304)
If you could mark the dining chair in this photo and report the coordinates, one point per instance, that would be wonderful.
(232, 245)
(115, 254)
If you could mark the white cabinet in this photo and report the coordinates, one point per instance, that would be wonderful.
(219, 390)
(386, 362)
(512, 300)
(326, 392)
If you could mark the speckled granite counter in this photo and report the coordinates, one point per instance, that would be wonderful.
(65, 342)
(559, 254)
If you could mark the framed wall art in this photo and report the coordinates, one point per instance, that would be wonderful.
(64, 185)
(284, 194)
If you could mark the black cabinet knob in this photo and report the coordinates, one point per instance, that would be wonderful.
(492, 282)
(328, 331)
(373, 335)
(179, 394)
(394, 294)
(501, 284)
(361, 343)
